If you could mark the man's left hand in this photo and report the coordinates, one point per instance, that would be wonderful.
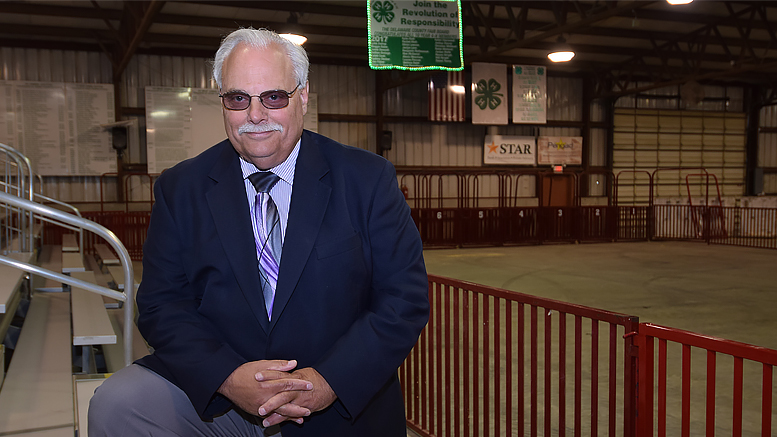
(314, 400)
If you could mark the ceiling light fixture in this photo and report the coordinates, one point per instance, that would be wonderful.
(292, 31)
(562, 52)
(678, 2)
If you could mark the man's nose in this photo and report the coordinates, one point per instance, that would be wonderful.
(256, 111)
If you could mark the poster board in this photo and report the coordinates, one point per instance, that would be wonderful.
(183, 122)
(530, 94)
(415, 35)
(509, 150)
(59, 126)
(560, 150)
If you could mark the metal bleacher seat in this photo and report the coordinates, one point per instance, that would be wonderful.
(37, 396)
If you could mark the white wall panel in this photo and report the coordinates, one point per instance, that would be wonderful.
(343, 89)
(767, 142)
(597, 146)
(409, 100)
(598, 111)
(53, 66)
(565, 99)
(361, 135)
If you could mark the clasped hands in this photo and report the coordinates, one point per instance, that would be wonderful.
(275, 391)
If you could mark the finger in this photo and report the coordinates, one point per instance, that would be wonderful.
(273, 419)
(276, 402)
(268, 375)
(292, 411)
(282, 365)
(287, 384)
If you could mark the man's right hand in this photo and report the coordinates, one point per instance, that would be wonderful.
(253, 383)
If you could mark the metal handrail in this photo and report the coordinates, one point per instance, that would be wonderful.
(22, 162)
(129, 287)
(75, 211)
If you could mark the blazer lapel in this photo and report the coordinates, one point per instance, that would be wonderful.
(309, 200)
(229, 208)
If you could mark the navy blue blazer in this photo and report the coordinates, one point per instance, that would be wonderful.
(352, 293)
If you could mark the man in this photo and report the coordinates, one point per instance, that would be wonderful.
(310, 344)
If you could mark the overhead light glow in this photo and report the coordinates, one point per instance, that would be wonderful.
(293, 37)
(561, 56)
(678, 2)
(458, 89)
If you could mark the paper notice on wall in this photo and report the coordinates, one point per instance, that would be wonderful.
(560, 150)
(41, 127)
(89, 107)
(168, 127)
(530, 94)
(181, 123)
(207, 120)
(58, 126)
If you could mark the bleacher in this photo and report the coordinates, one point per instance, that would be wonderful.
(62, 318)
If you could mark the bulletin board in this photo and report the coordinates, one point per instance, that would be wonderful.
(183, 122)
(60, 127)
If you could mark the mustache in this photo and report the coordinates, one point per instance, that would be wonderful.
(259, 128)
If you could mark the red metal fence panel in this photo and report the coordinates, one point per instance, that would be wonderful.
(746, 409)
(129, 227)
(493, 362)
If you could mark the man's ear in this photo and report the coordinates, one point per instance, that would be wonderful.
(304, 96)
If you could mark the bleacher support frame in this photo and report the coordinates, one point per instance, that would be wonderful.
(54, 214)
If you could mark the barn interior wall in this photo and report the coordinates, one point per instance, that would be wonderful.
(350, 91)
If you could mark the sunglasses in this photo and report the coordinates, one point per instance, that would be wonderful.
(275, 99)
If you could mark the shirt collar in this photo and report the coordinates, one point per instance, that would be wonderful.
(284, 170)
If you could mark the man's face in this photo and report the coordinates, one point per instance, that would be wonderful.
(263, 136)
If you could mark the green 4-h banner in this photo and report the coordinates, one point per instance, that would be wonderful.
(489, 93)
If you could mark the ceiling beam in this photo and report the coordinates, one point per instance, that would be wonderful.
(138, 17)
(569, 27)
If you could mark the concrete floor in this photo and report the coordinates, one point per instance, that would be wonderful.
(722, 291)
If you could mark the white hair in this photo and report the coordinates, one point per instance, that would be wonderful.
(262, 38)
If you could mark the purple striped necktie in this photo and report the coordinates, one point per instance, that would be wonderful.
(268, 241)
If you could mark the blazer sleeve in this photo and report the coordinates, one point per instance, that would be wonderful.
(361, 362)
(186, 349)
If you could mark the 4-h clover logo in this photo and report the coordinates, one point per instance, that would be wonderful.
(487, 94)
(383, 11)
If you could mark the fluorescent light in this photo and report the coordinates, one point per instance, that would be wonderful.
(293, 37)
(678, 2)
(561, 56)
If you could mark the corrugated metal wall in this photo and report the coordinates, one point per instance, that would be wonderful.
(767, 148)
(345, 90)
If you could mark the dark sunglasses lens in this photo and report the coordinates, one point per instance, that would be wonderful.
(274, 99)
(237, 101)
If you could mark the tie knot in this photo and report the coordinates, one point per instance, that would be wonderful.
(263, 180)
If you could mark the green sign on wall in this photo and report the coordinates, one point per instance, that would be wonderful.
(415, 35)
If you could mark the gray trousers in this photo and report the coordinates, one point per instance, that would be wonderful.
(137, 402)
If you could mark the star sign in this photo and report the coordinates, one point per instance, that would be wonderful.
(492, 147)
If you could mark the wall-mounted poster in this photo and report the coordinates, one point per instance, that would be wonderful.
(489, 93)
(560, 150)
(504, 149)
(59, 126)
(415, 35)
(530, 94)
(181, 123)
